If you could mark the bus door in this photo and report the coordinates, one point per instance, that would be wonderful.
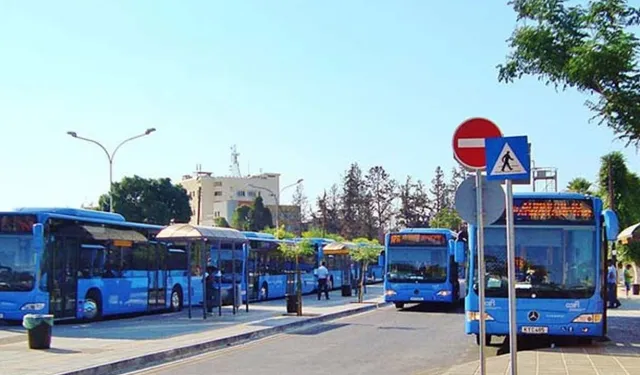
(157, 277)
(62, 278)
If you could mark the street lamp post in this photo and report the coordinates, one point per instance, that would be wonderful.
(277, 197)
(111, 156)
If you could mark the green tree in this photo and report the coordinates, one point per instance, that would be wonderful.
(365, 252)
(294, 252)
(319, 233)
(458, 174)
(439, 191)
(619, 188)
(446, 218)
(221, 222)
(630, 253)
(260, 215)
(329, 208)
(589, 47)
(241, 219)
(579, 185)
(353, 189)
(382, 192)
(279, 233)
(415, 205)
(153, 201)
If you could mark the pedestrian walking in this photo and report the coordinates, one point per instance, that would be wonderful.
(612, 283)
(628, 278)
(322, 273)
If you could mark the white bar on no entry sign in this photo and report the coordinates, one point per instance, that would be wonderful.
(471, 142)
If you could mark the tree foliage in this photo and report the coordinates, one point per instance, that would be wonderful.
(589, 47)
(221, 222)
(624, 197)
(294, 251)
(153, 201)
(365, 252)
(279, 233)
(579, 185)
(446, 218)
(255, 218)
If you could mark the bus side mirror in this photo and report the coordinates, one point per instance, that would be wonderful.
(381, 260)
(611, 225)
(38, 236)
(460, 256)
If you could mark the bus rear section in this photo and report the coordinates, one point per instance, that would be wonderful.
(560, 258)
(19, 253)
(424, 266)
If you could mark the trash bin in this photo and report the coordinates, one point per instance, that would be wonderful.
(39, 330)
(636, 289)
(346, 291)
(292, 303)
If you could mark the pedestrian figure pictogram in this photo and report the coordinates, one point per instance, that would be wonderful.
(505, 161)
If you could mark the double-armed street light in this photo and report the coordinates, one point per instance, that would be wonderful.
(111, 155)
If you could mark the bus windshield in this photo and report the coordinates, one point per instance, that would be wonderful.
(422, 265)
(17, 263)
(550, 262)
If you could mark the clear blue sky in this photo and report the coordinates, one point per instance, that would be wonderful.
(302, 89)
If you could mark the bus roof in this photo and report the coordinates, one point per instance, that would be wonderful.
(190, 232)
(427, 231)
(77, 212)
(552, 195)
(260, 235)
(314, 240)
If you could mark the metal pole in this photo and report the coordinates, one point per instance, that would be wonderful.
(111, 185)
(511, 249)
(233, 275)
(203, 256)
(481, 271)
(245, 249)
(189, 276)
(219, 281)
(277, 211)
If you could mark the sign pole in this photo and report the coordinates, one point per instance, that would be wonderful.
(511, 249)
(481, 271)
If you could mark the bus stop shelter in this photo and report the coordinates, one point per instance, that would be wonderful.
(211, 241)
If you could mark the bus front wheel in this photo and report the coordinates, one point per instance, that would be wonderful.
(176, 299)
(487, 340)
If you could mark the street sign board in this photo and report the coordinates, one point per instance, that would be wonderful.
(493, 201)
(508, 158)
(469, 142)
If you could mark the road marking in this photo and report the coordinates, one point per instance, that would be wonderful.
(215, 353)
(471, 142)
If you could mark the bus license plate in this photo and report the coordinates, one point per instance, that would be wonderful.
(416, 298)
(535, 330)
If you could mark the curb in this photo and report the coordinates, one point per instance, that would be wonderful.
(153, 359)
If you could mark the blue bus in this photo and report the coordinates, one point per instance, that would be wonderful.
(338, 258)
(84, 264)
(560, 260)
(424, 265)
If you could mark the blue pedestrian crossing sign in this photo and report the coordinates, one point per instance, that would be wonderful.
(508, 158)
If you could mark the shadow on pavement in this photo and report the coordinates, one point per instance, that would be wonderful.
(435, 307)
(318, 329)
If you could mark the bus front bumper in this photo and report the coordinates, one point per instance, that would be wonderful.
(14, 310)
(410, 296)
(556, 329)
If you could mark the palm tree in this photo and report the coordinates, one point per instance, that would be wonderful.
(579, 185)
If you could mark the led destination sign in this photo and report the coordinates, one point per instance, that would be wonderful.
(417, 239)
(551, 211)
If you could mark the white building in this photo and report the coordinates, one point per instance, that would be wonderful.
(213, 197)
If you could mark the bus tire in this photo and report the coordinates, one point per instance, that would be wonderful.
(176, 301)
(487, 340)
(92, 306)
(264, 291)
(399, 305)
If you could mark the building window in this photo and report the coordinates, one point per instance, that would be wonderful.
(217, 193)
(217, 183)
(216, 214)
(240, 193)
(251, 193)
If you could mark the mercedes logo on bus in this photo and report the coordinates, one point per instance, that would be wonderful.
(533, 316)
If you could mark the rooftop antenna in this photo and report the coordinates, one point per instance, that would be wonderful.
(234, 168)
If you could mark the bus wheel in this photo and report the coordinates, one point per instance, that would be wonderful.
(399, 305)
(92, 308)
(264, 291)
(176, 299)
(487, 340)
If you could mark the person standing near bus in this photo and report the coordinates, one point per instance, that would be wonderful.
(612, 284)
(322, 273)
(628, 278)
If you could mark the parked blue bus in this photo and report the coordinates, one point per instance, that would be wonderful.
(424, 265)
(84, 264)
(560, 259)
(338, 258)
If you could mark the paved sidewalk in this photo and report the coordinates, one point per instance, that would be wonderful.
(127, 344)
(621, 355)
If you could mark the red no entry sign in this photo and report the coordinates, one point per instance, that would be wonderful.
(468, 142)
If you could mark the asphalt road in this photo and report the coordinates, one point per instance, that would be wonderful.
(415, 340)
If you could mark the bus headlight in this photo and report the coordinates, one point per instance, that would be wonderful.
(474, 315)
(444, 293)
(390, 292)
(588, 318)
(32, 306)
